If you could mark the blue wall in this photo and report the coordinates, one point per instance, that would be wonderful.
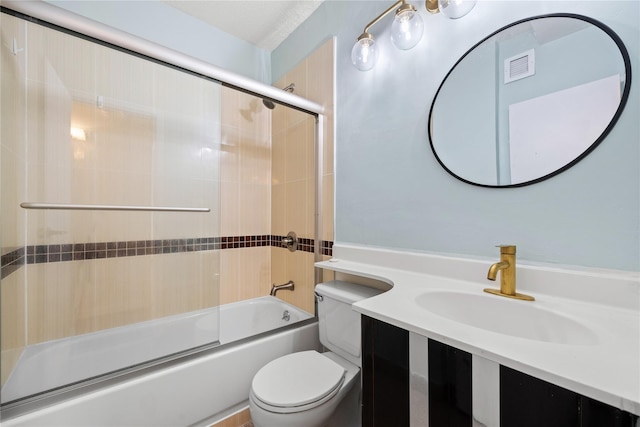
(162, 24)
(391, 192)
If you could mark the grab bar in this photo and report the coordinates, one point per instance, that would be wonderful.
(68, 206)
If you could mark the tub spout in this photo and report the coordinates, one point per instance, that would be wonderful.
(275, 288)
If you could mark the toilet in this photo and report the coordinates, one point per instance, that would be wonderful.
(304, 389)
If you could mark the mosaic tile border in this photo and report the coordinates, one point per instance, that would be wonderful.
(39, 254)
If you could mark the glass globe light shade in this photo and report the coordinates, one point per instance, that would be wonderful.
(364, 54)
(407, 28)
(456, 8)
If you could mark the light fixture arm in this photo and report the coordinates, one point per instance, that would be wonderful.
(406, 29)
(382, 15)
(432, 6)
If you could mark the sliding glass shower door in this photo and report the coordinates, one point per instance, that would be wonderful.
(109, 209)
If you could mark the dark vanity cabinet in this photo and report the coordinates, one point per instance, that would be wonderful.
(449, 386)
(386, 381)
(524, 401)
(385, 374)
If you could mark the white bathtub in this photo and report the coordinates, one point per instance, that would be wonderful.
(199, 391)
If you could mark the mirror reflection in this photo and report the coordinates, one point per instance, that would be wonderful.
(529, 101)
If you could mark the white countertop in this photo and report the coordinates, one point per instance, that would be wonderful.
(606, 302)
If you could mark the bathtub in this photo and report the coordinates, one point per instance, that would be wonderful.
(197, 390)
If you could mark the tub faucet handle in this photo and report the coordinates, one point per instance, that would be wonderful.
(290, 241)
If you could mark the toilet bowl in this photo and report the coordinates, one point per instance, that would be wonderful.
(304, 389)
(315, 382)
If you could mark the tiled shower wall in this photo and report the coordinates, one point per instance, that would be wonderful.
(245, 189)
(293, 195)
(267, 185)
(12, 169)
(80, 271)
(152, 137)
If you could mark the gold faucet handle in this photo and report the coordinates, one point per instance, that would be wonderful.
(507, 249)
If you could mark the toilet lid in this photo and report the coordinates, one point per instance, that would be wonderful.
(297, 379)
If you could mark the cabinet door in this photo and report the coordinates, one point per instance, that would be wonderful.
(597, 414)
(385, 374)
(526, 401)
(450, 392)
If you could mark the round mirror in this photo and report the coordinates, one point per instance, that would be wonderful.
(529, 101)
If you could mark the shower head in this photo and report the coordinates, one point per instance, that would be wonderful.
(270, 105)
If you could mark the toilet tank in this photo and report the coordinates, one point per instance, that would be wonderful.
(339, 323)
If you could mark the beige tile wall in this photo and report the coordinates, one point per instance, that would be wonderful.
(12, 172)
(245, 192)
(152, 139)
(76, 297)
(158, 150)
(12, 316)
(293, 200)
(244, 273)
(152, 142)
(268, 186)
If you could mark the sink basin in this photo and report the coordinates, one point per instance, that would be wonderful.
(506, 316)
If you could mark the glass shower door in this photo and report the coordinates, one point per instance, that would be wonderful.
(110, 210)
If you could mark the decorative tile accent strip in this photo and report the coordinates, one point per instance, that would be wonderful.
(244, 241)
(305, 245)
(38, 254)
(326, 247)
(12, 261)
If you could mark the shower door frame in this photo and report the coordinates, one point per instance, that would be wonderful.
(53, 16)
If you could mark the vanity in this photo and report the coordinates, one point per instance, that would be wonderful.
(438, 351)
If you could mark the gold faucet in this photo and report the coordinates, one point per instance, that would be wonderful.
(507, 266)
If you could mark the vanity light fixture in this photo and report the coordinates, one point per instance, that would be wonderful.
(406, 29)
(452, 9)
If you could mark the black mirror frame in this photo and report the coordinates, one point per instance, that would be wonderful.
(623, 100)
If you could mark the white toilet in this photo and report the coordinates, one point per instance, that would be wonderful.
(303, 389)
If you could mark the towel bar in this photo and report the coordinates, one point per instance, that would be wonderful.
(68, 206)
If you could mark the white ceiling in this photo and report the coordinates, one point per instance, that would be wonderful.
(263, 23)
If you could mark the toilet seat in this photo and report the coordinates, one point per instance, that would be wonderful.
(297, 382)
